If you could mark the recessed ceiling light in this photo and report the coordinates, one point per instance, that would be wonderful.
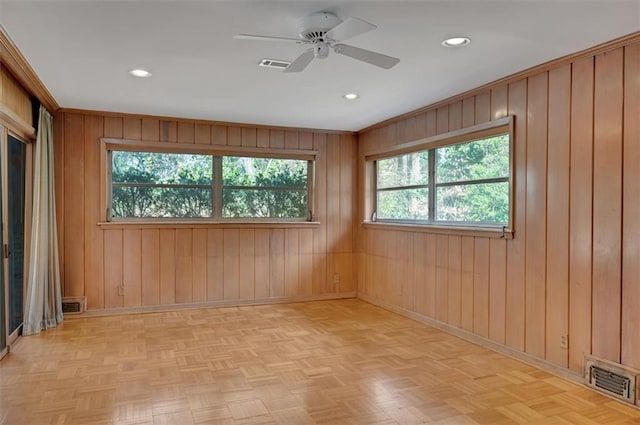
(456, 42)
(140, 73)
(351, 96)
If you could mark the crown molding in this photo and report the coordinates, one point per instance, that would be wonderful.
(12, 59)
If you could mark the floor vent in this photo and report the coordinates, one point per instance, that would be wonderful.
(611, 379)
(73, 305)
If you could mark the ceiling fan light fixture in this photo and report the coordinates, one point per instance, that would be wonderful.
(456, 41)
(351, 96)
(140, 73)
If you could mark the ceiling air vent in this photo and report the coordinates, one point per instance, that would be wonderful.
(273, 63)
(611, 379)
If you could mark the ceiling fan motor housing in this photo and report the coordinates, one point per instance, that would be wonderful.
(316, 25)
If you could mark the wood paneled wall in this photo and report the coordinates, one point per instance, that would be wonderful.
(14, 97)
(573, 266)
(171, 264)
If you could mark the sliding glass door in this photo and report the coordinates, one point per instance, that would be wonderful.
(3, 288)
(13, 194)
(16, 173)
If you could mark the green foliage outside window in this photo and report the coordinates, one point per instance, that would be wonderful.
(149, 184)
(464, 163)
(264, 187)
(163, 185)
(470, 186)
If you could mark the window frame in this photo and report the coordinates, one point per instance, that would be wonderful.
(470, 134)
(108, 145)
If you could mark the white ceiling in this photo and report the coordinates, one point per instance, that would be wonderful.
(82, 50)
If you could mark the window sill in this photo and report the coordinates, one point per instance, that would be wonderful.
(486, 232)
(195, 224)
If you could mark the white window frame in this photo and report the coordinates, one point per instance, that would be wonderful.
(475, 133)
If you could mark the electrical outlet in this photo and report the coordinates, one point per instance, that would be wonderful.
(121, 290)
(564, 341)
(336, 278)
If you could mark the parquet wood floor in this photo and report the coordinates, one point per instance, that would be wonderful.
(326, 362)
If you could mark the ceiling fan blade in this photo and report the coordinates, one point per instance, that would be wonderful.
(267, 38)
(348, 28)
(377, 59)
(301, 62)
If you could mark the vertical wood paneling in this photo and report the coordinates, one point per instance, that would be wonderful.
(455, 116)
(167, 266)
(432, 123)
(150, 129)
(535, 257)
(168, 131)
(249, 137)
(419, 274)
(132, 128)
(466, 284)
(184, 265)
(59, 124)
(442, 117)
(234, 136)
(113, 127)
(276, 255)
(607, 205)
(262, 138)
(430, 274)
(199, 264)
(74, 205)
(231, 264)
(202, 134)
(497, 289)
(468, 112)
(631, 212)
(404, 259)
(442, 264)
(499, 97)
(185, 132)
(483, 107)
(291, 262)
(305, 279)
(305, 140)
(515, 313)
(332, 202)
(113, 273)
(219, 135)
(291, 139)
(454, 294)
(580, 208)
(215, 265)
(150, 267)
(246, 265)
(346, 191)
(320, 214)
(498, 247)
(481, 287)
(558, 214)
(262, 263)
(93, 246)
(131, 269)
(276, 139)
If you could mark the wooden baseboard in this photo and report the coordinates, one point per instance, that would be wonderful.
(476, 339)
(208, 304)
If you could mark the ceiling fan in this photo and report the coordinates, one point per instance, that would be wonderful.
(324, 31)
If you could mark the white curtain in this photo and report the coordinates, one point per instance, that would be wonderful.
(43, 308)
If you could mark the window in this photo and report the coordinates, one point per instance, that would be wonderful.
(461, 179)
(147, 184)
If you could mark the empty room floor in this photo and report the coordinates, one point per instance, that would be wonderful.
(323, 362)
